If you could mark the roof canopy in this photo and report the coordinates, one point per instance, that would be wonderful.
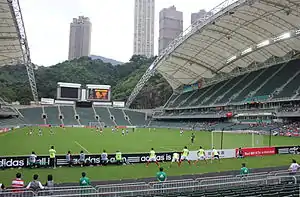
(235, 34)
(10, 46)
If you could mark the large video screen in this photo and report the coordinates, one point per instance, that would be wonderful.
(67, 92)
(98, 94)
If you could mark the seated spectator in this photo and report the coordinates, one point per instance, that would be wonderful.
(84, 181)
(161, 175)
(294, 167)
(69, 158)
(244, 170)
(2, 187)
(17, 183)
(50, 184)
(35, 184)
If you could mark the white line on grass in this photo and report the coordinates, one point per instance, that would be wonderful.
(82, 147)
(167, 148)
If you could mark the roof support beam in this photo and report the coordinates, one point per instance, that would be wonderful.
(195, 62)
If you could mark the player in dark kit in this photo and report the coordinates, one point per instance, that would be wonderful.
(193, 138)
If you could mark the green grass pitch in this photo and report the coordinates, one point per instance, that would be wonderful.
(88, 140)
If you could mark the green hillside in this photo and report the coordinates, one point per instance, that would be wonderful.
(14, 85)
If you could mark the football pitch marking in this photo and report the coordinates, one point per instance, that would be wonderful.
(167, 148)
(81, 146)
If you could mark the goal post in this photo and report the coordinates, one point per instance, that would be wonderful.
(221, 139)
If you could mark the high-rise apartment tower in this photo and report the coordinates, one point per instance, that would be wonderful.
(170, 26)
(80, 37)
(144, 27)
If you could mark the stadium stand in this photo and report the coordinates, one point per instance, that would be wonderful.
(86, 115)
(33, 115)
(119, 116)
(69, 115)
(104, 116)
(263, 184)
(136, 118)
(52, 115)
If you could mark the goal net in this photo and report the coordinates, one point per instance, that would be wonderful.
(231, 139)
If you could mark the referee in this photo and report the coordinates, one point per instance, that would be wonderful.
(52, 153)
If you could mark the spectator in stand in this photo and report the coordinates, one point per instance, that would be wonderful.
(244, 170)
(2, 187)
(294, 167)
(240, 153)
(84, 181)
(35, 184)
(17, 183)
(161, 176)
(69, 158)
(50, 184)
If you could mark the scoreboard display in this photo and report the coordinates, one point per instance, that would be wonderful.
(68, 91)
(98, 92)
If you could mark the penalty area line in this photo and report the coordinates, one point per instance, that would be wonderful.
(170, 149)
(81, 146)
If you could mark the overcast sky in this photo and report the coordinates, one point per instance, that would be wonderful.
(47, 25)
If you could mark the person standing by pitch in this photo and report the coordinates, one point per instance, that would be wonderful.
(52, 153)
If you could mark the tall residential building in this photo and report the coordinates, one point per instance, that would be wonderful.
(170, 26)
(199, 15)
(144, 27)
(80, 37)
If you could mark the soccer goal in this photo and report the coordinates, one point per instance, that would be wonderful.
(231, 139)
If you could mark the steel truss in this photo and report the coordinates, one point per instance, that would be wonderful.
(18, 19)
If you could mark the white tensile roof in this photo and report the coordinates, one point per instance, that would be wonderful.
(10, 39)
(236, 34)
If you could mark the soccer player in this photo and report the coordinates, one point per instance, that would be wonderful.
(52, 153)
(81, 159)
(119, 158)
(244, 170)
(201, 155)
(51, 131)
(97, 129)
(40, 132)
(175, 158)
(104, 158)
(181, 132)
(240, 153)
(127, 131)
(184, 156)
(31, 131)
(69, 158)
(113, 129)
(161, 175)
(101, 130)
(152, 158)
(84, 181)
(215, 154)
(123, 132)
(193, 138)
(32, 160)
